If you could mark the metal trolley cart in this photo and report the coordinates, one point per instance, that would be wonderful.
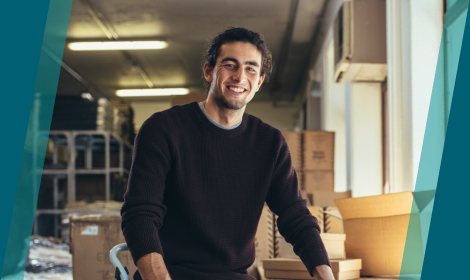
(121, 272)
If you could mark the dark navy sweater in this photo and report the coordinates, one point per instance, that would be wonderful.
(196, 191)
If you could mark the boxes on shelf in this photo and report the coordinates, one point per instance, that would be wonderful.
(318, 150)
(332, 223)
(82, 208)
(317, 212)
(282, 268)
(325, 198)
(92, 237)
(334, 245)
(318, 180)
(294, 142)
(377, 229)
(264, 239)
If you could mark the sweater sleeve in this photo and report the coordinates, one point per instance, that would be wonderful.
(295, 222)
(143, 209)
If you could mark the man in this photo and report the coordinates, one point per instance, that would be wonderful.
(201, 174)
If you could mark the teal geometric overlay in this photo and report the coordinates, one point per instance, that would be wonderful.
(36, 47)
(432, 245)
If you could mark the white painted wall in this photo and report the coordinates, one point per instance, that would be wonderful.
(353, 111)
(414, 30)
(426, 32)
(334, 118)
(366, 139)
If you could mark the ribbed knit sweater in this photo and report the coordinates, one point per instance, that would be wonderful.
(196, 192)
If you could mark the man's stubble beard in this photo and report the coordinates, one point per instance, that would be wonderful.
(224, 104)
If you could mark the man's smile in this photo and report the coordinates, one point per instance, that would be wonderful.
(236, 89)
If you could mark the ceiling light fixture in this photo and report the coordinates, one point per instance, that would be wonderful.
(151, 92)
(117, 45)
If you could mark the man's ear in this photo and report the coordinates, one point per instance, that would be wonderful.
(208, 72)
(261, 80)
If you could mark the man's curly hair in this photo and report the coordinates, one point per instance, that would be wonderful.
(239, 34)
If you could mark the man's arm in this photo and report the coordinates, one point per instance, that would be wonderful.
(143, 209)
(152, 267)
(322, 272)
(295, 222)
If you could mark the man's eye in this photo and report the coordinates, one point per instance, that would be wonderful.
(230, 65)
(251, 69)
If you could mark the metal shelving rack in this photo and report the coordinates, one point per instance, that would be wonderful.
(88, 138)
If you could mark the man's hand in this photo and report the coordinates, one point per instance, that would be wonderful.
(323, 272)
(152, 267)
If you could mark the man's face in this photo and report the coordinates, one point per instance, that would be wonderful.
(236, 75)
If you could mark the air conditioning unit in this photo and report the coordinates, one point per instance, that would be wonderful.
(360, 42)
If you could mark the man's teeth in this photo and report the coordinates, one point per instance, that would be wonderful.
(237, 89)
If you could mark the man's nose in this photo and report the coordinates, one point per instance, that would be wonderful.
(240, 75)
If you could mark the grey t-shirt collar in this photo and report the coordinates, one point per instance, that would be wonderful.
(201, 105)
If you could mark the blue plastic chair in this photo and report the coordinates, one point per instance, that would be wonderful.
(120, 272)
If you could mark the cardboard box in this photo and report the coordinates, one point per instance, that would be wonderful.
(92, 237)
(264, 239)
(294, 141)
(297, 264)
(319, 180)
(286, 274)
(318, 150)
(377, 228)
(325, 198)
(334, 245)
(333, 224)
(295, 269)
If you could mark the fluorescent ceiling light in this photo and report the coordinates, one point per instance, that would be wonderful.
(152, 92)
(117, 45)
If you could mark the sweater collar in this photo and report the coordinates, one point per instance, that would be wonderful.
(210, 126)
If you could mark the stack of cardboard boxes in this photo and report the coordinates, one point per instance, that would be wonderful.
(312, 154)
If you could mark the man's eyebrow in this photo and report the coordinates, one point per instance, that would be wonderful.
(253, 63)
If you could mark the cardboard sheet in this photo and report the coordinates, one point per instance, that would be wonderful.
(297, 264)
(285, 274)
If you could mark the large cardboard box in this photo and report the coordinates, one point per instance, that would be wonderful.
(334, 245)
(294, 141)
(92, 237)
(283, 268)
(325, 198)
(264, 239)
(318, 150)
(332, 224)
(377, 228)
(319, 180)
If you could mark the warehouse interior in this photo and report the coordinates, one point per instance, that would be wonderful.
(341, 90)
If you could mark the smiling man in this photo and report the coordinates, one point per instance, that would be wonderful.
(201, 174)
